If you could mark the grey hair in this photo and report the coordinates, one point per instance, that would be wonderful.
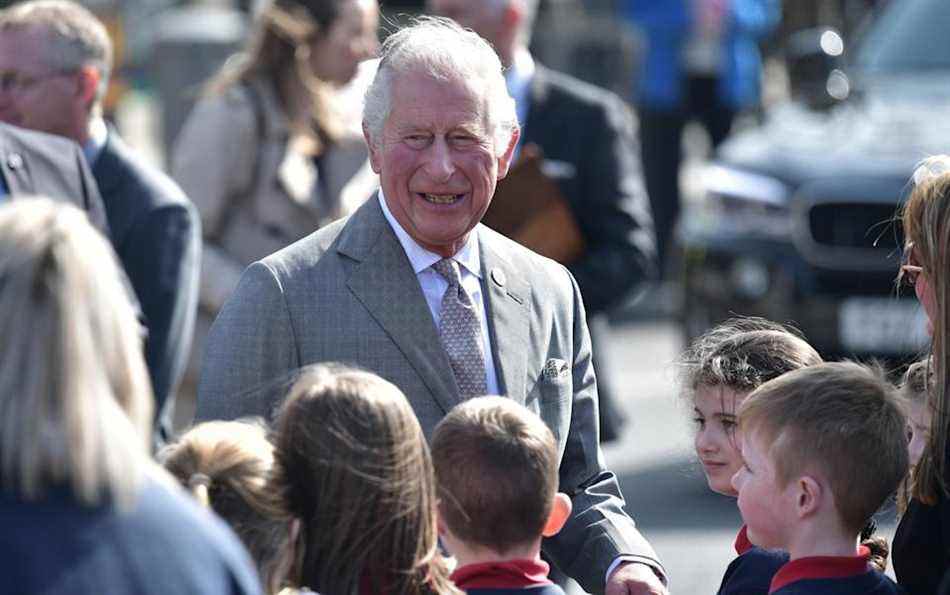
(76, 37)
(445, 51)
(75, 397)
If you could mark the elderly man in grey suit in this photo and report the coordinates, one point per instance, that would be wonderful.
(413, 288)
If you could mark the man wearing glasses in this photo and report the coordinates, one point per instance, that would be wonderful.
(55, 61)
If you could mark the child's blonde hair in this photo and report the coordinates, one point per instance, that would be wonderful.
(840, 420)
(225, 465)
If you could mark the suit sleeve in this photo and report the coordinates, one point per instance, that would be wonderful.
(250, 344)
(162, 263)
(599, 529)
(613, 210)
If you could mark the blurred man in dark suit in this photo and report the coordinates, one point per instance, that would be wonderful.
(55, 61)
(586, 136)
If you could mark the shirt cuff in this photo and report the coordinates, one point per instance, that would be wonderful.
(636, 560)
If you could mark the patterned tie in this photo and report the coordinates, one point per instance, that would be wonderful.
(461, 333)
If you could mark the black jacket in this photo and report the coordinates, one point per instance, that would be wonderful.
(591, 133)
(156, 233)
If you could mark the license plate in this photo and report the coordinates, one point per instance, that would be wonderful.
(882, 325)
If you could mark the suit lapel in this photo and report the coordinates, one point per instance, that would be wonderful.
(16, 174)
(384, 282)
(507, 298)
(103, 168)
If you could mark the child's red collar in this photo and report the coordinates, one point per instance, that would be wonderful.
(512, 574)
(821, 567)
(743, 544)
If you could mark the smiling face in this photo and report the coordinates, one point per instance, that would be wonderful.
(437, 159)
(768, 508)
(714, 413)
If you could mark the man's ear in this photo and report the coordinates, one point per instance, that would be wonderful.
(374, 156)
(504, 161)
(560, 512)
(89, 78)
(513, 15)
(809, 494)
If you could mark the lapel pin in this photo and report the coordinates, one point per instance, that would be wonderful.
(14, 161)
(498, 276)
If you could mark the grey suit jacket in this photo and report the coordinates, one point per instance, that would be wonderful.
(34, 163)
(348, 293)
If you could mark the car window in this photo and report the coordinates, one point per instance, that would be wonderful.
(909, 35)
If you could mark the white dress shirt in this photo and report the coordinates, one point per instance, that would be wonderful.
(434, 285)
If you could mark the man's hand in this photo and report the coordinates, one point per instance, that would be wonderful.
(633, 578)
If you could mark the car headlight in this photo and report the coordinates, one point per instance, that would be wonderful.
(743, 203)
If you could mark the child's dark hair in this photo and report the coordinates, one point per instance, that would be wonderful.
(497, 472)
(743, 353)
(353, 469)
(839, 420)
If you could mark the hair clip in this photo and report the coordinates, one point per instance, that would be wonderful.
(199, 479)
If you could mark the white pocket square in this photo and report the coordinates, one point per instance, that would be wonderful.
(554, 369)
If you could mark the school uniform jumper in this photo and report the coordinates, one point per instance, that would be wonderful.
(751, 573)
(833, 575)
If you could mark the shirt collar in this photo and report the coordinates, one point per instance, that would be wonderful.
(743, 544)
(98, 133)
(510, 574)
(821, 567)
(421, 259)
(518, 80)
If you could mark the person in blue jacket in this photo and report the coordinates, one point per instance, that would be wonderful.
(701, 61)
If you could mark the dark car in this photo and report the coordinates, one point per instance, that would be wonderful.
(798, 220)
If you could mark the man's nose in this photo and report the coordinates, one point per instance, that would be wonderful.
(439, 164)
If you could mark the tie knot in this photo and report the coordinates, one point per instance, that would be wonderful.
(448, 269)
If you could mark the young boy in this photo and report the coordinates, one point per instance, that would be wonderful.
(497, 473)
(823, 448)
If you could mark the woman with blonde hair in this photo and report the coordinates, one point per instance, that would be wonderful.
(272, 152)
(82, 507)
(354, 476)
(922, 542)
(225, 466)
